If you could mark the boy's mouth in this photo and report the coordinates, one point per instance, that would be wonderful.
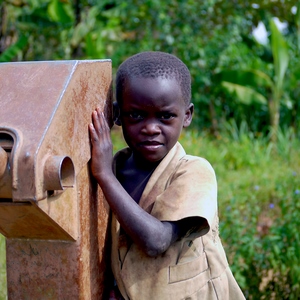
(150, 145)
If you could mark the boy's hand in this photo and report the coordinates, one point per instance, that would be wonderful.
(101, 145)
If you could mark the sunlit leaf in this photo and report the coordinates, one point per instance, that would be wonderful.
(58, 11)
(253, 78)
(244, 94)
(14, 49)
(297, 21)
(280, 54)
(79, 33)
(89, 45)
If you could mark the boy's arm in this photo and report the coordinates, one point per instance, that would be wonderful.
(152, 235)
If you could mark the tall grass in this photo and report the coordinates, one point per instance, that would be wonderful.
(259, 207)
(2, 269)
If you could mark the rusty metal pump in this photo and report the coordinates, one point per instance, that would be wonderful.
(52, 213)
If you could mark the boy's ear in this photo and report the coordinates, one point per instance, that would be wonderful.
(116, 114)
(188, 115)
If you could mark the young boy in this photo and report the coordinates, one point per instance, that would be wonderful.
(165, 241)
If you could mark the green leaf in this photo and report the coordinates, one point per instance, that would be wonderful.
(297, 16)
(294, 77)
(94, 46)
(80, 31)
(297, 21)
(244, 94)
(252, 78)
(14, 49)
(59, 12)
(89, 45)
(280, 54)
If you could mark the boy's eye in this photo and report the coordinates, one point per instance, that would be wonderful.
(136, 115)
(166, 116)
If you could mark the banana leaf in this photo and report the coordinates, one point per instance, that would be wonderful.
(60, 12)
(251, 78)
(280, 54)
(245, 95)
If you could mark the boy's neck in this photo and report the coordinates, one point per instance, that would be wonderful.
(134, 175)
(140, 164)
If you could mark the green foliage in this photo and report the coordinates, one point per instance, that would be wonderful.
(252, 78)
(60, 12)
(211, 37)
(245, 84)
(14, 49)
(3, 291)
(281, 57)
(245, 94)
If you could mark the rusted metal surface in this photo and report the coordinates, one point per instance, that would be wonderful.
(43, 269)
(54, 217)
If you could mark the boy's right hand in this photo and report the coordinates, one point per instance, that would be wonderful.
(102, 154)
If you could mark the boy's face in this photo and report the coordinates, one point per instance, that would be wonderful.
(152, 115)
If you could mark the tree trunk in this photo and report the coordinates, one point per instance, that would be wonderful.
(2, 27)
(274, 114)
(294, 122)
(212, 113)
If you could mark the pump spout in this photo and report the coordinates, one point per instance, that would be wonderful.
(3, 161)
(5, 176)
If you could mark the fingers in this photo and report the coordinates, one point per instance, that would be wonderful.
(99, 121)
(99, 127)
(93, 135)
(96, 120)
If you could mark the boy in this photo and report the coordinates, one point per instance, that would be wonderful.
(165, 242)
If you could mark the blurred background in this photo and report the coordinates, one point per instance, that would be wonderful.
(244, 60)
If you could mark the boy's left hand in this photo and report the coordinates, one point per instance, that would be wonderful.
(101, 145)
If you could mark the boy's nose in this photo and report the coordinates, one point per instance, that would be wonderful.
(151, 128)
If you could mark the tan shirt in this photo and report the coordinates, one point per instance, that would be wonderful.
(195, 267)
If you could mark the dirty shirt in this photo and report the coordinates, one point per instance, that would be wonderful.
(195, 266)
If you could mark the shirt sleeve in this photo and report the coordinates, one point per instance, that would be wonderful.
(190, 192)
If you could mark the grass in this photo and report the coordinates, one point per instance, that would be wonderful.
(2, 269)
(259, 207)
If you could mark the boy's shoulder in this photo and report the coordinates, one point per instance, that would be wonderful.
(195, 162)
(188, 166)
(196, 159)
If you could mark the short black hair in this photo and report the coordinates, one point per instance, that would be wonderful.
(154, 64)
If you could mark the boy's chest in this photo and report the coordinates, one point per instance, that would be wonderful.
(134, 181)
